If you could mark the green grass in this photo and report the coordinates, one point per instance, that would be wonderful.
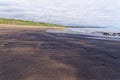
(24, 22)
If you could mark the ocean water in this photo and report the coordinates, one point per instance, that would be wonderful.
(113, 30)
(97, 33)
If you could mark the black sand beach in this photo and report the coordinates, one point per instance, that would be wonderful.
(34, 54)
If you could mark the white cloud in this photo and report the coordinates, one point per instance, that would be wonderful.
(76, 12)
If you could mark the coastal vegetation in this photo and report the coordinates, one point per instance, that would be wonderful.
(25, 22)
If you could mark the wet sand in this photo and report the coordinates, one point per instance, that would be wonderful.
(34, 54)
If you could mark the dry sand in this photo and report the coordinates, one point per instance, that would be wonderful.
(33, 54)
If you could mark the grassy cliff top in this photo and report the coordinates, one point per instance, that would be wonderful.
(24, 22)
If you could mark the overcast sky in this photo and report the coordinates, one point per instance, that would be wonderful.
(66, 12)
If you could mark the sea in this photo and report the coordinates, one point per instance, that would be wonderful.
(104, 33)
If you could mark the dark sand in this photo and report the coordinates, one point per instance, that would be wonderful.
(33, 54)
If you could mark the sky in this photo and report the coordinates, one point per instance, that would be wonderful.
(105, 13)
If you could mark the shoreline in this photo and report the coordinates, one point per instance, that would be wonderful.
(92, 35)
(28, 26)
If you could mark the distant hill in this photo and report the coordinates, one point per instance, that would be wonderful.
(85, 27)
(24, 22)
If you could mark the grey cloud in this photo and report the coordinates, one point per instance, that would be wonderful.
(66, 12)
